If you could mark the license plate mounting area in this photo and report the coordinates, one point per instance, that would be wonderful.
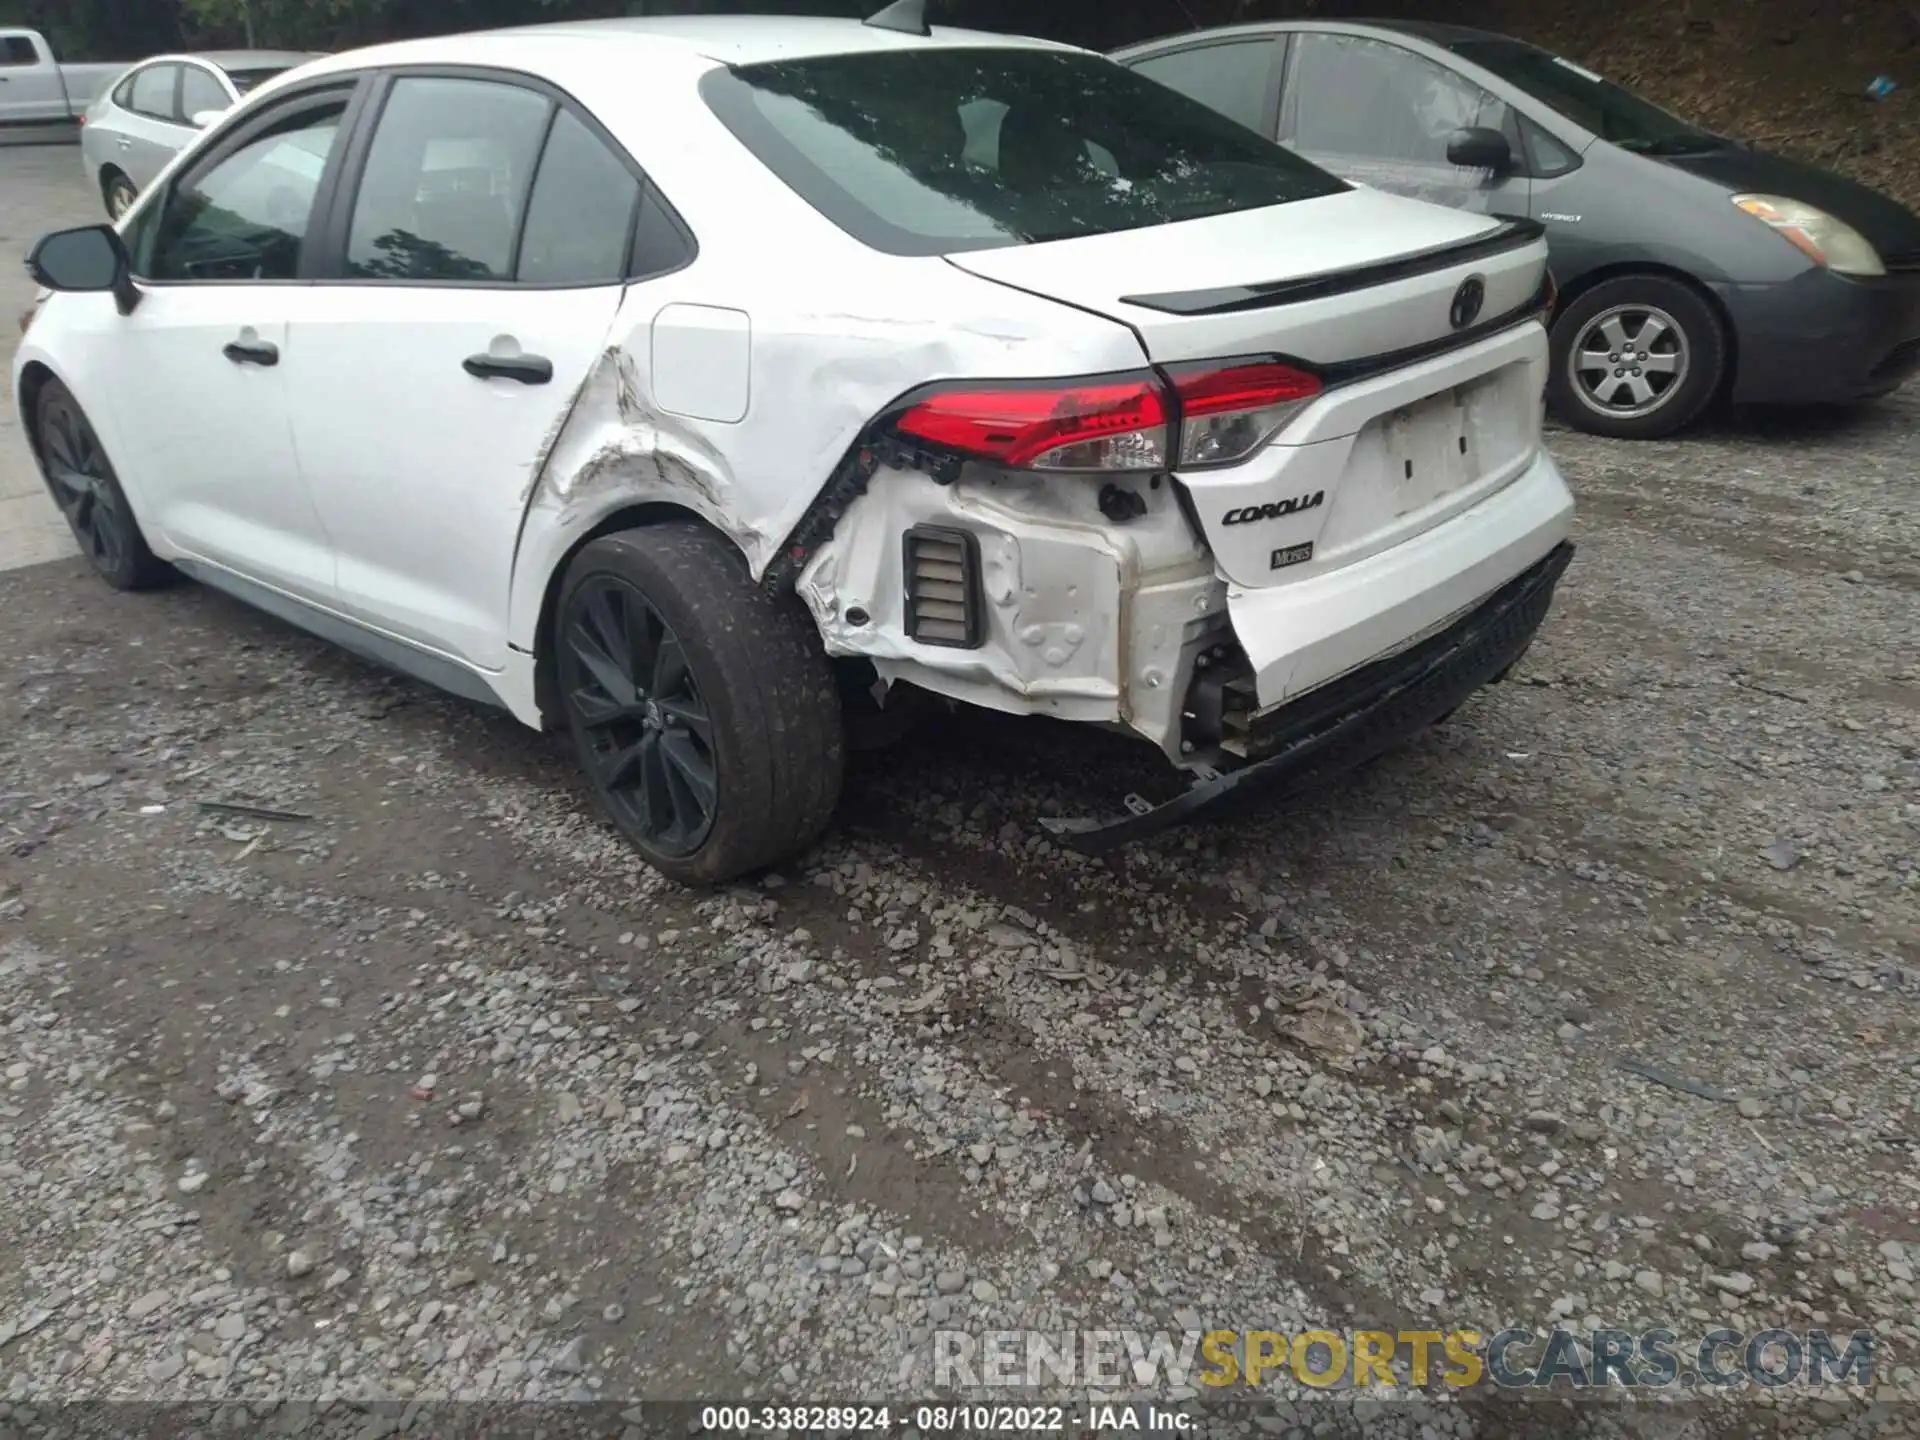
(1430, 448)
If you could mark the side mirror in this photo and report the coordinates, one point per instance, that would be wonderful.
(1479, 148)
(201, 119)
(90, 259)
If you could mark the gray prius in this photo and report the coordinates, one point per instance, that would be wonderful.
(1692, 267)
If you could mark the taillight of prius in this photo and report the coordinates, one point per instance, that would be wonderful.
(1221, 413)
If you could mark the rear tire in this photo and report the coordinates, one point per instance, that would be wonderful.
(703, 710)
(118, 192)
(80, 478)
(1636, 358)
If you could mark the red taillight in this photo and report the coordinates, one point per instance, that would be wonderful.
(1254, 385)
(1225, 410)
(1103, 424)
(1230, 409)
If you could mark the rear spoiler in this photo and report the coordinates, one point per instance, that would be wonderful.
(1511, 234)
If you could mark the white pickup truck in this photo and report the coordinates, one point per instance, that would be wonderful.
(37, 91)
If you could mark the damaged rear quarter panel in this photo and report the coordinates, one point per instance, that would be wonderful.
(1087, 619)
(1051, 582)
(826, 359)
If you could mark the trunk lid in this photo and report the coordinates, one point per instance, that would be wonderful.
(1339, 278)
(1422, 415)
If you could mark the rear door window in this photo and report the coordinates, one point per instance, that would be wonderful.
(17, 50)
(200, 91)
(151, 93)
(446, 181)
(1236, 78)
(581, 213)
(933, 151)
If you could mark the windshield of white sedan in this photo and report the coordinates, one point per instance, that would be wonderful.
(1585, 98)
(926, 152)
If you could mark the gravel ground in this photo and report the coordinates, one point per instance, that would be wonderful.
(1596, 1004)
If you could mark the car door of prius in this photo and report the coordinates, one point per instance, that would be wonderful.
(1378, 114)
(195, 374)
(479, 253)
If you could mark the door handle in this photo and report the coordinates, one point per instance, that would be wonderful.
(261, 353)
(527, 369)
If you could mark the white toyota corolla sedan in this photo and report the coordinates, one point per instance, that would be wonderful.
(702, 386)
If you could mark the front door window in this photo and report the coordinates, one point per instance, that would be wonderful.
(245, 218)
(1377, 113)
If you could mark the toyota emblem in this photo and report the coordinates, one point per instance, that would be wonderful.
(1467, 301)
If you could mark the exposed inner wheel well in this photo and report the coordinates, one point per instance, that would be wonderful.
(1572, 290)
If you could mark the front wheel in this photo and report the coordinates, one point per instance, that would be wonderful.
(1636, 358)
(81, 480)
(703, 710)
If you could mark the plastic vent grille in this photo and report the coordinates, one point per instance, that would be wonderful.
(943, 587)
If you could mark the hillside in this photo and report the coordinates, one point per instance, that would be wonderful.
(1791, 75)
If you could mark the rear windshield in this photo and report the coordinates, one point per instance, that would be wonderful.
(932, 151)
(1586, 99)
(245, 80)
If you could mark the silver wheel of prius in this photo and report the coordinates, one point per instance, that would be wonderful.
(1629, 361)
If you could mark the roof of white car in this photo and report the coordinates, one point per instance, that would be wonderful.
(721, 39)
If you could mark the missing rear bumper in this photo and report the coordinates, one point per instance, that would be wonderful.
(1353, 719)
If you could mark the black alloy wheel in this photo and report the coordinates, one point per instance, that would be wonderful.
(702, 706)
(647, 731)
(81, 480)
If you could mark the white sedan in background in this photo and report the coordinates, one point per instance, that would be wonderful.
(696, 384)
(153, 111)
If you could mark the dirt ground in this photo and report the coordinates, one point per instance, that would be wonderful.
(1599, 1003)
